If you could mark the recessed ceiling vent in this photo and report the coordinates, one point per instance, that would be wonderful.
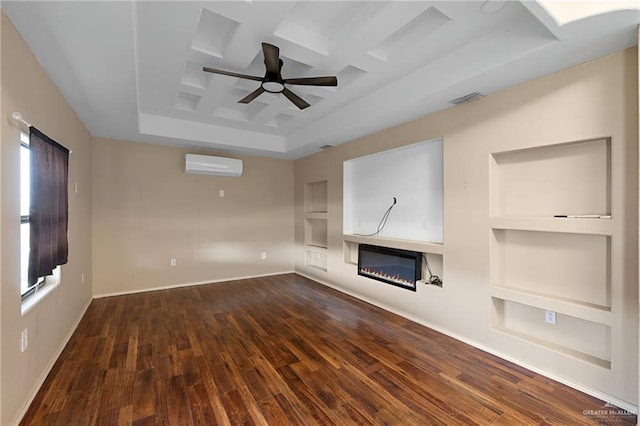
(467, 98)
(326, 146)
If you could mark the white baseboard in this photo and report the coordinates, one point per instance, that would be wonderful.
(179, 285)
(48, 368)
(589, 391)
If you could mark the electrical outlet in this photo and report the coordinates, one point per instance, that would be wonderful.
(173, 262)
(24, 340)
(550, 317)
(263, 255)
(221, 193)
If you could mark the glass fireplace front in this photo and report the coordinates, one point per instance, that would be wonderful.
(394, 266)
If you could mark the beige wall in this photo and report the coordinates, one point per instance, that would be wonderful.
(595, 100)
(136, 209)
(147, 210)
(27, 88)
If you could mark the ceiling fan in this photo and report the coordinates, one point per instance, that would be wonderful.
(273, 82)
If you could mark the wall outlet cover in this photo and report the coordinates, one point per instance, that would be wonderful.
(24, 340)
(550, 317)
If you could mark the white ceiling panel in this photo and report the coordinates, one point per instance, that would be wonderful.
(133, 69)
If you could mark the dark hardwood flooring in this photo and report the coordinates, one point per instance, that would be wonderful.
(286, 350)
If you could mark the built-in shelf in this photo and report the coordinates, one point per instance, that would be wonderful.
(604, 363)
(580, 338)
(585, 311)
(315, 197)
(419, 246)
(317, 246)
(318, 216)
(350, 250)
(315, 225)
(566, 266)
(551, 224)
(539, 262)
(568, 178)
(316, 232)
(316, 257)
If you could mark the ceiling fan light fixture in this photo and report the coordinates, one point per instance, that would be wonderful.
(273, 86)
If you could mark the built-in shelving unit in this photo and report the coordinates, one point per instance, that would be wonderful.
(404, 188)
(315, 224)
(544, 263)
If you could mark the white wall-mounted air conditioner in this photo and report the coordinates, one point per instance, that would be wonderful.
(209, 165)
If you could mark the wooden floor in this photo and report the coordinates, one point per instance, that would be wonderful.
(285, 350)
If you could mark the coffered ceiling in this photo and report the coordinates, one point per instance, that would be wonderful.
(133, 70)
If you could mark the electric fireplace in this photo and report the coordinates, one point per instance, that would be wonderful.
(401, 268)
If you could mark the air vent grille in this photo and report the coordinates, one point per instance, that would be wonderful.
(467, 98)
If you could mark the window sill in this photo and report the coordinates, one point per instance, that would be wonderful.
(32, 301)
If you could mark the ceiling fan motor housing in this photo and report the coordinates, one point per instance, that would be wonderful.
(272, 81)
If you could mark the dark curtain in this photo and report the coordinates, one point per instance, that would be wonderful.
(49, 210)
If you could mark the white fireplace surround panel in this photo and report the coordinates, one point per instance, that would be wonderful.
(412, 174)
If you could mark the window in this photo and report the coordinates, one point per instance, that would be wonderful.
(24, 212)
(25, 197)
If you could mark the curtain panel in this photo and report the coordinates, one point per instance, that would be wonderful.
(49, 210)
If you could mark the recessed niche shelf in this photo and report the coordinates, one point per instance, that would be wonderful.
(316, 232)
(350, 251)
(562, 179)
(316, 258)
(315, 225)
(315, 197)
(561, 264)
(565, 266)
(567, 336)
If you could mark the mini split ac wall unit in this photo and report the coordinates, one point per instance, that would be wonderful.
(209, 165)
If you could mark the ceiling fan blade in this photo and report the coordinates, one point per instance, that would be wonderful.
(251, 96)
(297, 100)
(231, 74)
(271, 58)
(313, 81)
